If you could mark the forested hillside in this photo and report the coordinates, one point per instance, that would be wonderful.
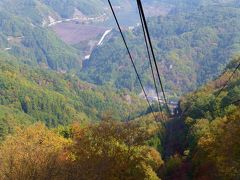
(192, 46)
(35, 45)
(213, 123)
(207, 147)
(108, 150)
(210, 142)
(39, 10)
(25, 31)
(187, 41)
(31, 94)
(76, 110)
(26, 35)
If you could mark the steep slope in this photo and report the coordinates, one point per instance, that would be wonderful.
(206, 103)
(187, 43)
(35, 45)
(66, 9)
(38, 10)
(55, 98)
(212, 130)
(26, 35)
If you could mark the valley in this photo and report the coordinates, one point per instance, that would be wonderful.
(87, 30)
(76, 103)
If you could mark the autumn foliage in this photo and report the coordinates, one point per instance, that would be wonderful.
(32, 153)
(108, 150)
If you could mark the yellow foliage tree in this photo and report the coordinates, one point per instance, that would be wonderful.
(221, 146)
(112, 150)
(107, 150)
(32, 153)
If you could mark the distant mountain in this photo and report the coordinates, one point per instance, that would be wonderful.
(38, 80)
(192, 46)
(37, 10)
(26, 35)
(33, 44)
